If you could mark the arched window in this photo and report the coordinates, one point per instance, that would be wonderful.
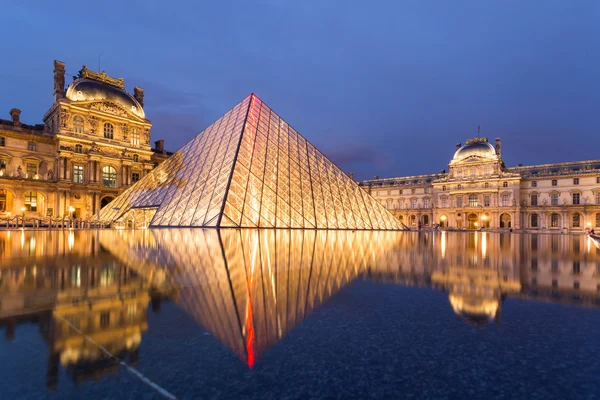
(472, 200)
(31, 201)
(459, 186)
(109, 130)
(135, 136)
(444, 188)
(486, 185)
(413, 220)
(504, 184)
(425, 220)
(78, 148)
(109, 176)
(77, 124)
(598, 221)
(3, 200)
(576, 220)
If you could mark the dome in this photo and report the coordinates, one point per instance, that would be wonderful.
(89, 90)
(480, 149)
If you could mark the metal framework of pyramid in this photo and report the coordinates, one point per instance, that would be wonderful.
(249, 169)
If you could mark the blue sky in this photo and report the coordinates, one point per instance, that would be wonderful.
(382, 87)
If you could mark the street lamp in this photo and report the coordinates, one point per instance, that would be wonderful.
(22, 217)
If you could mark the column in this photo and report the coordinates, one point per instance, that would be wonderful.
(89, 171)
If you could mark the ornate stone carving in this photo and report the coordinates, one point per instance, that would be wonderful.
(102, 77)
(476, 140)
(146, 135)
(94, 147)
(64, 118)
(93, 123)
(125, 131)
(108, 108)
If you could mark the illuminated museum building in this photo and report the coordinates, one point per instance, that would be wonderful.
(94, 143)
(478, 191)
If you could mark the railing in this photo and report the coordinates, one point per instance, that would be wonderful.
(22, 221)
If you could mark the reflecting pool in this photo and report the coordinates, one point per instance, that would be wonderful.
(193, 313)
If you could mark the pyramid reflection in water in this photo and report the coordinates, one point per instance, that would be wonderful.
(249, 169)
(249, 288)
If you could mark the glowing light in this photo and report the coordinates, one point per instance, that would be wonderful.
(443, 218)
(484, 217)
(443, 244)
(23, 209)
(484, 245)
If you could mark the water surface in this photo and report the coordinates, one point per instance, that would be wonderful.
(195, 313)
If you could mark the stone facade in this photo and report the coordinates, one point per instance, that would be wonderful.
(94, 143)
(479, 191)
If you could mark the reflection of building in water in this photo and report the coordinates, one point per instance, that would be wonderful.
(62, 278)
(249, 288)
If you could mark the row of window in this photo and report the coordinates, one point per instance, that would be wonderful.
(575, 198)
(108, 130)
(109, 175)
(555, 182)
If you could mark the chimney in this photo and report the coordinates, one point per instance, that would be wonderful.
(159, 145)
(351, 175)
(458, 146)
(59, 80)
(498, 146)
(376, 177)
(15, 113)
(138, 93)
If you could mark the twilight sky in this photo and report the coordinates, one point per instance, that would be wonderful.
(382, 87)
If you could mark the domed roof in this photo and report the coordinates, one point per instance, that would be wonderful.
(481, 149)
(90, 90)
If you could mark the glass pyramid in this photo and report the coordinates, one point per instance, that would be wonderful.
(249, 169)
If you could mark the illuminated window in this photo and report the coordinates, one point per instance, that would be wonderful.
(32, 169)
(76, 276)
(135, 176)
(31, 146)
(576, 198)
(426, 220)
(473, 200)
(109, 130)
(554, 199)
(486, 201)
(77, 124)
(109, 176)
(554, 220)
(31, 201)
(413, 203)
(575, 181)
(576, 220)
(533, 183)
(2, 200)
(78, 148)
(505, 200)
(413, 220)
(504, 184)
(554, 182)
(77, 173)
(107, 275)
(135, 136)
(534, 199)
(131, 313)
(425, 203)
